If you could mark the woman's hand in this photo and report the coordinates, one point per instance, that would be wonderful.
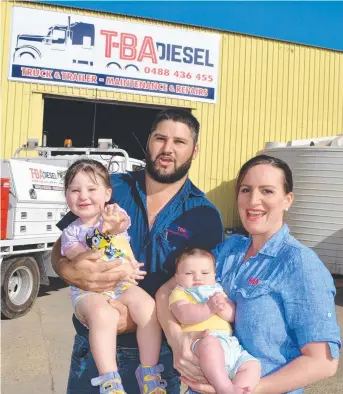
(185, 361)
(208, 389)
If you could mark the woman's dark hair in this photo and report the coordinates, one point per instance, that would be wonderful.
(273, 161)
(91, 167)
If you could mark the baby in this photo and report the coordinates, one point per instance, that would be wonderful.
(87, 190)
(199, 304)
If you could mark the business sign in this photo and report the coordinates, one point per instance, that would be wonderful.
(69, 49)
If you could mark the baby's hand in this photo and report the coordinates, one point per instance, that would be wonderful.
(217, 302)
(221, 300)
(212, 303)
(114, 220)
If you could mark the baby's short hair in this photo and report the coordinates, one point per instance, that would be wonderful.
(194, 252)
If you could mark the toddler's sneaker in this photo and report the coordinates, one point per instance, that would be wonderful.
(149, 380)
(110, 383)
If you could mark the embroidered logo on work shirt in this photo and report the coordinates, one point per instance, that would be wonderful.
(177, 230)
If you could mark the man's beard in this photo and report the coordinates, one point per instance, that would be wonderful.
(173, 177)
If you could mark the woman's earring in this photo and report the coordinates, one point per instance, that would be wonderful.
(285, 209)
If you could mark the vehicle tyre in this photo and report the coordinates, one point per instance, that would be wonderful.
(20, 281)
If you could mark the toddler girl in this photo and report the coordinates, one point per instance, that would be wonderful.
(88, 190)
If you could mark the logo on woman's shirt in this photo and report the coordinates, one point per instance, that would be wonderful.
(253, 281)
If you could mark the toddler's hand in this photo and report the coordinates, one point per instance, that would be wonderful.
(114, 220)
(136, 273)
(128, 270)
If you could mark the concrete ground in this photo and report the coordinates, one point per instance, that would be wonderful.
(35, 349)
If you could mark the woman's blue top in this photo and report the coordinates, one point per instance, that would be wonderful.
(284, 298)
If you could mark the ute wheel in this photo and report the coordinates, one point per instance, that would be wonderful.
(20, 281)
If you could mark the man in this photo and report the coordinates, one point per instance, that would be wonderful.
(168, 213)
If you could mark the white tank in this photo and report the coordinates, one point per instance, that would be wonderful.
(316, 217)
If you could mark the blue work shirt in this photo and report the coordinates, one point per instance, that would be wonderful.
(284, 298)
(188, 219)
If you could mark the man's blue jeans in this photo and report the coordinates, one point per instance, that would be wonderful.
(83, 369)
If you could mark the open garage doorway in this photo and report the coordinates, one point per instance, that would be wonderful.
(84, 122)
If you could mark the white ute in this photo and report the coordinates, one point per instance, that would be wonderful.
(36, 204)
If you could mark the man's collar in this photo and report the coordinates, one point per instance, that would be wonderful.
(192, 189)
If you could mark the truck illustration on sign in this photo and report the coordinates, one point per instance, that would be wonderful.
(76, 40)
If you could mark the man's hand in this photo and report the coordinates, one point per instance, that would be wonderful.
(185, 361)
(114, 220)
(125, 324)
(88, 272)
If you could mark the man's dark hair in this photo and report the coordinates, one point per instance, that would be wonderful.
(178, 115)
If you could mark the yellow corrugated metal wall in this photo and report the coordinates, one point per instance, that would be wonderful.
(268, 91)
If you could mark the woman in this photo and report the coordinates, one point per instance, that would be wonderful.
(284, 295)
